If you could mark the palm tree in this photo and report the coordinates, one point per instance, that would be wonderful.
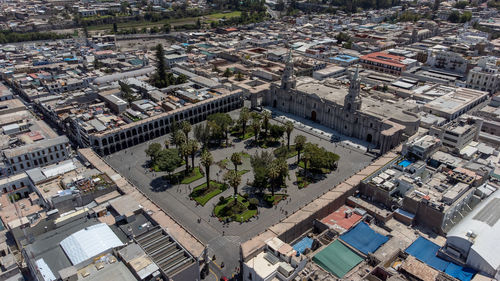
(179, 138)
(186, 128)
(234, 180)
(306, 158)
(274, 174)
(185, 152)
(288, 129)
(244, 116)
(300, 142)
(207, 160)
(166, 143)
(256, 129)
(193, 148)
(236, 159)
(266, 116)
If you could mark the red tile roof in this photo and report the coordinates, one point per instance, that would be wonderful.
(385, 58)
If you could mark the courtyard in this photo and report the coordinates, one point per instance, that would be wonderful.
(198, 214)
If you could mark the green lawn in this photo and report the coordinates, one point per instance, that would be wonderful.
(284, 152)
(181, 21)
(242, 172)
(237, 133)
(243, 214)
(157, 169)
(202, 194)
(317, 171)
(218, 16)
(180, 177)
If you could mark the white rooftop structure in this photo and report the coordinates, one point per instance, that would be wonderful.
(477, 237)
(45, 271)
(89, 242)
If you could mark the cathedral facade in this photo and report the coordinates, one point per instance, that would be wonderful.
(381, 124)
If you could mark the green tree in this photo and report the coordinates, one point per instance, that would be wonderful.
(239, 76)
(193, 148)
(256, 129)
(300, 142)
(266, 116)
(233, 179)
(168, 160)
(243, 120)
(127, 92)
(278, 171)
(236, 160)
(186, 128)
(227, 73)
(179, 138)
(202, 134)
(454, 17)
(224, 121)
(166, 143)
(115, 28)
(181, 79)
(153, 150)
(185, 151)
(288, 128)
(160, 77)
(276, 131)
(167, 28)
(465, 17)
(461, 4)
(260, 166)
(207, 160)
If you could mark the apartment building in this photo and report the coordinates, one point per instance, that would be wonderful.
(38, 154)
(485, 76)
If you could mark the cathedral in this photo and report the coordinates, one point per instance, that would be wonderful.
(329, 103)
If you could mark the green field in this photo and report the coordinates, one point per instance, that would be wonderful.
(174, 22)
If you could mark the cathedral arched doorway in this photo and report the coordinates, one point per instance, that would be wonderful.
(369, 138)
(274, 103)
(313, 116)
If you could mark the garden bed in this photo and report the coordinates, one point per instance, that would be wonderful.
(226, 209)
(302, 182)
(180, 177)
(274, 200)
(202, 194)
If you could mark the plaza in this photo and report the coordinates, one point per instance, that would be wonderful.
(223, 238)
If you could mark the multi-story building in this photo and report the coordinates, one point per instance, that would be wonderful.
(453, 102)
(441, 57)
(37, 154)
(387, 63)
(485, 76)
(108, 141)
(456, 135)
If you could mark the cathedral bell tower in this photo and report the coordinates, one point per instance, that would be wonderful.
(352, 101)
(288, 79)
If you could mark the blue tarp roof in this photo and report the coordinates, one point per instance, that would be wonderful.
(303, 244)
(426, 251)
(364, 239)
